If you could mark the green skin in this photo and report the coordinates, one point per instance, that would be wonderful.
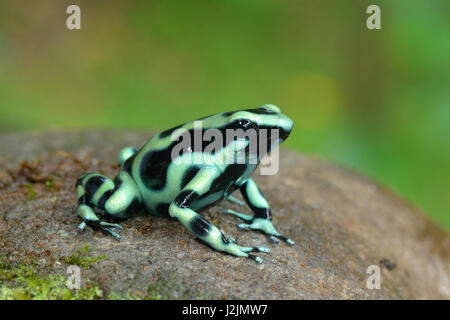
(151, 180)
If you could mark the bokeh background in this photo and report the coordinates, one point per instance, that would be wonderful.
(376, 101)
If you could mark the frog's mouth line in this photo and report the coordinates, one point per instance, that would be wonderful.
(284, 134)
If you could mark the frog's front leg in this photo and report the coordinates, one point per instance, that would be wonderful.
(117, 198)
(203, 229)
(262, 220)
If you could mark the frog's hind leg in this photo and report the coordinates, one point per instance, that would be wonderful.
(262, 220)
(203, 229)
(116, 198)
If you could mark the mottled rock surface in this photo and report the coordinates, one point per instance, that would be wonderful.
(342, 222)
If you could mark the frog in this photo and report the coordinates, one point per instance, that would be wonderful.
(152, 180)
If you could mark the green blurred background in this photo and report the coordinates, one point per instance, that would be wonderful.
(377, 101)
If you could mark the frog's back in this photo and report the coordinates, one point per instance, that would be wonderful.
(160, 178)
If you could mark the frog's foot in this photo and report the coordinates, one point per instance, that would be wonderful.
(109, 228)
(90, 219)
(116, 198)
(263, 225)
(232, 248)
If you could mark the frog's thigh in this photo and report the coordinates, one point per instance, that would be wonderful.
(202, 228)
(123, 198)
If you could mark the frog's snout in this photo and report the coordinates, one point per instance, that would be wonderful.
(285, 125)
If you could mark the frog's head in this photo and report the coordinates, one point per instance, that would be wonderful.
(267, 117)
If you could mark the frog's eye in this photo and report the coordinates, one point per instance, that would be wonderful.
(244, 124)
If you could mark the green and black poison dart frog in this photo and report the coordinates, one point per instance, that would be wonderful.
(151, 180)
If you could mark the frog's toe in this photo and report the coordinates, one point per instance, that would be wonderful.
(242, 216)
(244, 226)
(82, 226)
(255, 249)
(111, 232)
(266, 227)
(263, 249)
(275, 238)
(256, 258)
(250, 249)
(241, 251)
(112, 226)
(107, 227)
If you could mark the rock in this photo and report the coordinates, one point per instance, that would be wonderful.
(342, 223)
